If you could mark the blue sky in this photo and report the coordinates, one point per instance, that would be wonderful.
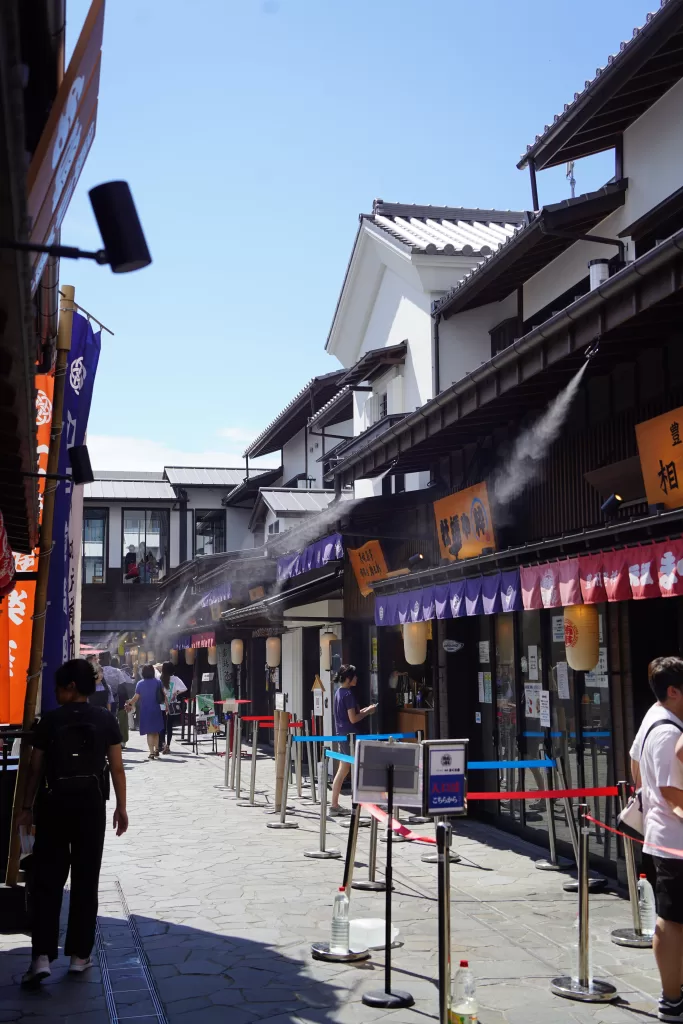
(253, 133)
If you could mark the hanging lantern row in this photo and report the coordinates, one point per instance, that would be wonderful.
(236, 651)
(581, 636)
(273, 651)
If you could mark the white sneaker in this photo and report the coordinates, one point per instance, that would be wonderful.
(78, 965)
(37, 972)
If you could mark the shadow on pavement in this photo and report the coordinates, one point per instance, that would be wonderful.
(201, 977)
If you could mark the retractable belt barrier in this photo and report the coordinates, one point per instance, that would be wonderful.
(538, 763)
(340, 757)
(319, 739)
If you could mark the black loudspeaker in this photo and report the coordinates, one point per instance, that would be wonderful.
(80, 464)
(120, 227)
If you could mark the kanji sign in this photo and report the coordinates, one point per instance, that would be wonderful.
(368, 565)
(445, 777)
(463, 523)
(661, 458)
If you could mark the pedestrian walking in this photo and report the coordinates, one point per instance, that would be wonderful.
(102, 696)
(347, 719)
(659, 772)
(75, 748)
(117, 681)
(150, 694)
(173, 687)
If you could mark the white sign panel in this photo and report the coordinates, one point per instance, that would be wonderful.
(318, 703)
(562, 670)
(545, 709)
(279, 702)
(370, 772)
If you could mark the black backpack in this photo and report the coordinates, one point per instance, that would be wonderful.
(77, 763)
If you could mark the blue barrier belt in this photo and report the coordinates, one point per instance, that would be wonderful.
(511, 764)
(340, 757)
(388, 736)
(320, 739)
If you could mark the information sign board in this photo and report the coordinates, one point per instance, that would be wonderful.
(445, 777)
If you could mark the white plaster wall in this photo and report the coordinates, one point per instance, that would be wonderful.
(464, 341)
(237, 535)
(205, 497)
(294, 456)
(292, 670)
(417, 481)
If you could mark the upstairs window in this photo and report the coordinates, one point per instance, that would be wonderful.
(209, 531)
(145, 545)
(94, 545)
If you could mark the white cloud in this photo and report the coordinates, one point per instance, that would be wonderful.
(118, 452)
(237, 434)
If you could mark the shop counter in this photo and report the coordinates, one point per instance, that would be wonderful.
(415, 720)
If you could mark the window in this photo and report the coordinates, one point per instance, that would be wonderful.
(209, 531)
(145, 545)
(383, 405)
(274, 527)
(94, 544)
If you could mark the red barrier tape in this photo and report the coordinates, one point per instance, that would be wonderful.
(396, 826)
(541, 794)
(296, 725)
(257, 718)
(664, 849)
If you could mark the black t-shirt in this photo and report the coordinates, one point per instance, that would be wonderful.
(105, 728)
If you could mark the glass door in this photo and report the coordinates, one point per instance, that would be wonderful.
(506, 710)
(596, 728)
(533, 675)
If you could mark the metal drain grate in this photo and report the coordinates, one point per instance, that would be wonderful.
(129, 987)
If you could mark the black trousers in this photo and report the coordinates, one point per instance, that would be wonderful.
(167, 734)
(72, 838)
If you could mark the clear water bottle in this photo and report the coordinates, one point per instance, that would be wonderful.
(340, 924)
(464, 997)
(646, 904)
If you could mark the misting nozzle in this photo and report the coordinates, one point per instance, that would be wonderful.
(593, 349)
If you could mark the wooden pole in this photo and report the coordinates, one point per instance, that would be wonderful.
(282, 727)
(35, 665)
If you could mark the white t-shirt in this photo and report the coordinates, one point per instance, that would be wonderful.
(659, 766)
(175, 687)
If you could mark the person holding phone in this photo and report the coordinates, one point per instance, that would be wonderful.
(347, 719)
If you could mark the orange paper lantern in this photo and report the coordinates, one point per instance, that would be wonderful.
(581, 631)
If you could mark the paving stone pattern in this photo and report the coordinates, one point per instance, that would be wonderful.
(226, 910)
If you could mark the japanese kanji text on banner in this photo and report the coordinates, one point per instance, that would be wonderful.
(463, 523)
(368, 565)
(660, 447)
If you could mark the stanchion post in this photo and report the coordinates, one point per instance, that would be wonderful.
(238, 759)
(583, 988)
(226, 766)
(443, 845)
(372, 885)
(283, 823)
(597, 882)
(323, 853)
(297, 759)
(388, 999)
(309, 758)
(418, 819)
(433, 858)
(632, 937)
(351, 849)
(235, 721)
(554, 864)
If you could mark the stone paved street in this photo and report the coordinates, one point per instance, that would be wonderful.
(225, 911)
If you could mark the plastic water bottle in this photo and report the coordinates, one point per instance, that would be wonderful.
(464, 997)
(340, 924)
(646, 905)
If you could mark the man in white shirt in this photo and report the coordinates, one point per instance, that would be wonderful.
(656, 768)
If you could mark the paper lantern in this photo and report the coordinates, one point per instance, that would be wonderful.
(150, 657)
(236, 651)
(273, 647)
(189, 655)
(581, 631)
(174, 655)
(326, 639)
(415, 642)
(213, 656)
(142, 657)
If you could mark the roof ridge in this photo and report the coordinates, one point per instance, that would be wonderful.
(420, 210)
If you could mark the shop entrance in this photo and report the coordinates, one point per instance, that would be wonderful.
(655, 631)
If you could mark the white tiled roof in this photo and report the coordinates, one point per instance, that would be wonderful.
(198, 476)
(129, 490)
(449, 237)
(295, 500)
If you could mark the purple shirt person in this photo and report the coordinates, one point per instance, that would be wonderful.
(347, 719)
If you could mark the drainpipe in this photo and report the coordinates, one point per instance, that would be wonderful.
(182, 529)
(436, 355)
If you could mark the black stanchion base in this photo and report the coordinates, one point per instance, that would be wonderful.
(596, 884)
(630, 937)
(596, 992)
(370, 886)
(282, 824)
(547, 865)
(321, 951)
(323, 854)
(433, 858)
(389, 1000)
